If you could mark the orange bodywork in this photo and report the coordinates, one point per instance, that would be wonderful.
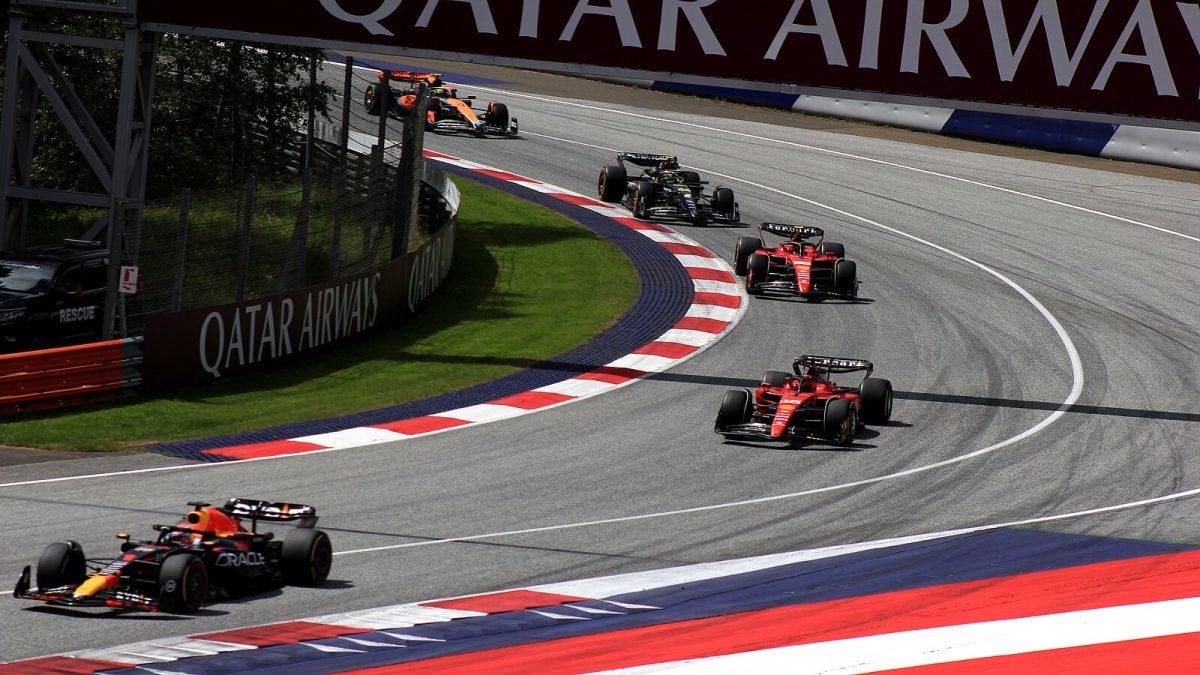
(212, 521)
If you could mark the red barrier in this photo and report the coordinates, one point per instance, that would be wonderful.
(49, 379)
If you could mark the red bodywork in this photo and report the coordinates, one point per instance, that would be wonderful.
(798, 395)
(800, 257)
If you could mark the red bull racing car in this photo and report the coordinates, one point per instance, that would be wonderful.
(447, 111)
(663, 190)
(805, 264)
(807, 403)
(210, 553)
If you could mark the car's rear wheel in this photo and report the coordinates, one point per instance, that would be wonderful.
(840, 421)
(371, 100)
(497, 115)
(775, 378)
(734, 409)
(745, 247)
(61, 564)
(876, 395)
(306, 557)
(845, 277)
(182, 583)
(643, 199)
(831, 248)
(756, 271)
(612, 183)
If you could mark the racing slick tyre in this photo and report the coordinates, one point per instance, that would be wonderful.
(182, 583)
(876, 395)
(723, 202)
(745, 247)
(690, 178)
(775, 378)
(756, 271)
(733, 409)
(306, 557)
(497, 115)
(830, 248)
(845, 277)
(60, 564)
(840, 421)
(611, 186)
(643, 199)
(371, 100)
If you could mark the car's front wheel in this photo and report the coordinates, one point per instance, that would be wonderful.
(371, 100)
(643, 199)
(497, 115)
(612, 183)
(182, 583)
(845, 277)
(723, 202)
(840, 421)
(734, 409)
(61, 564)
(876, 395)
(756, 271)
(745, 247)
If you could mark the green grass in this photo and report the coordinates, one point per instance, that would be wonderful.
(524, 287)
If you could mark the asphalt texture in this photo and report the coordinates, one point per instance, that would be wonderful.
(636, 479)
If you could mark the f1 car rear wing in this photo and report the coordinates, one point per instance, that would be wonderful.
(832, 364)
(257, 509)
(432, 79)
(793, 232)
(644, 159)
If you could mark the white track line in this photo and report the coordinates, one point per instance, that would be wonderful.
(839, 153)
(1072, 397)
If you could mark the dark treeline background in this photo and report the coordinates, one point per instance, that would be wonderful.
(223, 111)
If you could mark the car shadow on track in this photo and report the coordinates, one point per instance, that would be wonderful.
(794, 299)
(127, 614)
(815, 444)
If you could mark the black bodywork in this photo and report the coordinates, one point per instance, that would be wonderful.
(663, 190)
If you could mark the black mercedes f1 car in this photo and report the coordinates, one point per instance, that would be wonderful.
(663, 190)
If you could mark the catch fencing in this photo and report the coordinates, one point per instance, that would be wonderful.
(336, 211)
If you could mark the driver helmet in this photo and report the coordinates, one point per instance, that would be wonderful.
(791, 247)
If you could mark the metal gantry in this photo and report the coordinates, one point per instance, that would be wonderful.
(118, 158)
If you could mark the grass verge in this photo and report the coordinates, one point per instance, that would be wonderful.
(523, 288)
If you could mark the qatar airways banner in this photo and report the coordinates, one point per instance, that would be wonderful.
(1134, 58)
(215, 343)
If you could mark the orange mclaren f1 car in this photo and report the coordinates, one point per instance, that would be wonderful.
(210, 553)
(447, 110)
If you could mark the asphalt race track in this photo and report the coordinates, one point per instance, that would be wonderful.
(1038, 320)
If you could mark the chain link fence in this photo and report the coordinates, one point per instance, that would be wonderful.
(339, 211)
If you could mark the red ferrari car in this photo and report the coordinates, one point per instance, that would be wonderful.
(808, 404)
(805, 264)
